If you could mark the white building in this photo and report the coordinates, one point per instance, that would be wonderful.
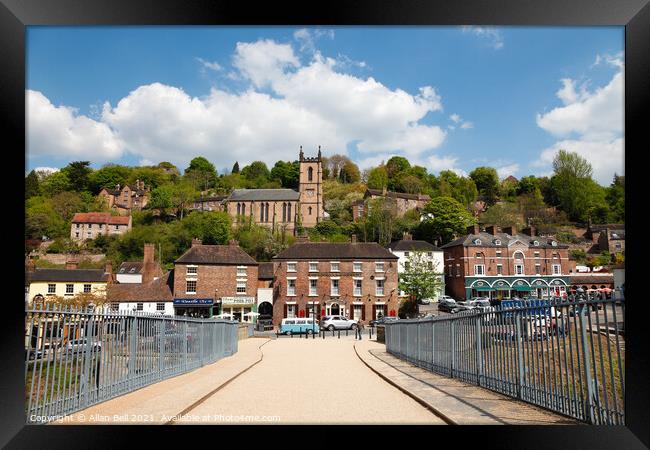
(434, 256)
(129, 272)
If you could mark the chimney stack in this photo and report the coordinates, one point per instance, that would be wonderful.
(530, 231)
(473, 229)
(492, 229)
(407, 236)
(109, 267)
(149, 265)
(31, 265)
(353, 239)
(512, 230)
(70, 264)
(195, 242)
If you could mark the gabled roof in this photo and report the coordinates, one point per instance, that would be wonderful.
(97, 217)
(157, 290)
(130, 268)
(406, 245)
(380, 193)
(334, 251)
(216, 254)
(488, 240)
(263, 195)
(68, 275)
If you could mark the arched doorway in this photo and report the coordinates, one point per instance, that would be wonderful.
(265, 309)
(334, 309)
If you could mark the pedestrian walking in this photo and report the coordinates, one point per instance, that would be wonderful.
(359, 329)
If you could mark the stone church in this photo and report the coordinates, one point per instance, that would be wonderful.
(283, 209)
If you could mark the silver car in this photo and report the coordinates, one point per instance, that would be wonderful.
(338, 323)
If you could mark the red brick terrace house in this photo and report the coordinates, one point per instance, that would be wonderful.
(354, 279)
(126, 198)
(90, 225)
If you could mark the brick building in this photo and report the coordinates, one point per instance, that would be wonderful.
(506, 264)
(358, 280)
(401, 202)
(206, 276)
(126, 198)
(90, 225)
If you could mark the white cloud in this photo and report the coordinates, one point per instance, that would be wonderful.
(506, 171)
(307, 38)
(591, 124)
(435, 163)
(310, 105)
(62, 132)
(491, 35)
(455, 118)
(612, 60)
(214, 66)
(467, 125)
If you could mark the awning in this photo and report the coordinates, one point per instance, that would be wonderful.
(523, 288)
(482, 288)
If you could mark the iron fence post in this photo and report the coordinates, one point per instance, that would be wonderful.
(161, 352)
(453, 347)
(520, 356)
(132, 346)
(479, 351)
(589, 413)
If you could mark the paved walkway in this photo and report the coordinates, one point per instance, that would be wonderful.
(456, 402)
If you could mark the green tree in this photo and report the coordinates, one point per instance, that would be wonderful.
(202, 173)
(615, 197)
(287, 173)
(78, 173)
(54, 183)
(212, 228)
(396, 164)
(502, 215)
(257, 173)
(108, 177)
(528, 185)
(420, 279)
(487, 183)
(66, 204)
(349, 173)
(32, 185)
(377, 178)
(572, 164)
(450, 218)
(235, 167)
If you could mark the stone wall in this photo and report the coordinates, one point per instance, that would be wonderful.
(61, 258)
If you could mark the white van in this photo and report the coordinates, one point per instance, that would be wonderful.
(296, 325)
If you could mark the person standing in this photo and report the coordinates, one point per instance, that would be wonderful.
(359, 329)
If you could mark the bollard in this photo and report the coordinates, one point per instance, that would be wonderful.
(291, 335)
(339, 334)
(346, 332)
(323, 334)
(332, 332)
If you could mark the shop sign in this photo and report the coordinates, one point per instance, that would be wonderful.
(193, 301)
(237, 300)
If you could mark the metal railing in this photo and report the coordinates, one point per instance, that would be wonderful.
(75, 358)
(565, 356)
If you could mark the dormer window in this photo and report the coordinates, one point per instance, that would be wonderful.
(536, 243)
(553, 243)
(132, 270)
(497, 242)
(477, 241)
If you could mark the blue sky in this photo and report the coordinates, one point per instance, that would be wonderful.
(444, 97)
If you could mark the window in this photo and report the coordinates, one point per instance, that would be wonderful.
(557, 269)
(291, 267)
(192, 270)
(51, 289)
(380, 287)
(335, 286)
(241, 271)
(479, 255)
(309, 210)
(538, 269)
(77, 225)
(90, 226)
(334, 267)
(518, 255)
(160, 306)
(90, 234)
(430, 254)
(101, 225)
(379, 267)
(191, 287)
(291, 287)
(499, 254)
(457, 270)
(117, 227)
(310, 174)
(356, 267)
(519, 269)
(407, 265)
(357, 287)
(139, 306)
(313, 287)
(430, 265)
(313, 267)
(130, 271)
(555, 256)
(76, 234)
(477, 241)
(86, 288)
(241, 286)
(450, 269)
(553, 243)
(499, 269)
(536, 254)
(291, 312)
(497, 242)
(479, 269)
(535, 243)
(69, 289)
(115, 306)
(618, 246)
(406, 254)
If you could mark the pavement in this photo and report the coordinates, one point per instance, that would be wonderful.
(455, 402)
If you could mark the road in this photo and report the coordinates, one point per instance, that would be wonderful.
(310, 381)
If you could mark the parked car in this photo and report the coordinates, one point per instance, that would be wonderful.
(482, 303)
(445, 297)
(81, 345)
(338, 323)
(461, 308)
(296, 325)
(425, 301)
(447, 305)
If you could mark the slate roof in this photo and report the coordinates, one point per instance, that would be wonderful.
(592, 279)
(263, 195)
(411, 245)
(265, 271)
(71, 275)
(216, 254)
(487, 240)
(158, 290)
(380, 193)
(125, 268)
(96, 217)
(335, 251)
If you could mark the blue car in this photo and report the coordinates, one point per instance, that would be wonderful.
(291, 326)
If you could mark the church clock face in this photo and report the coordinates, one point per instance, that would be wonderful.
(310, 192)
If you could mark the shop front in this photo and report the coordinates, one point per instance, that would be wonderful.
(194, 307)
(529, 287)
(239, 308)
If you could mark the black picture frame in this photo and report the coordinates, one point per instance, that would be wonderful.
(15, 15)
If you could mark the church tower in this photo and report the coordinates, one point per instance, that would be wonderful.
(311, 189)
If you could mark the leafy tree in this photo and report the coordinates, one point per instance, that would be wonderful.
(572, 164)
(287, 173)
(528, 185)
(211, 227)
(256, 172)
(450, 218)
(66, 204)
(161, 198)
(333, 165)
(615, 198)
(462, 189)
(32, 185)
(579, 255)
(235, 167)
(502, 215)
(151, 176)
(327, 227)
(410, 184)
(55, 182)
(419, 280)
(78, 173)
(349, 173)
(202, 173)
(377, 178)
(41, 219)
(396, 164)
(108, 177)
(487, 183)
(379, 223)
